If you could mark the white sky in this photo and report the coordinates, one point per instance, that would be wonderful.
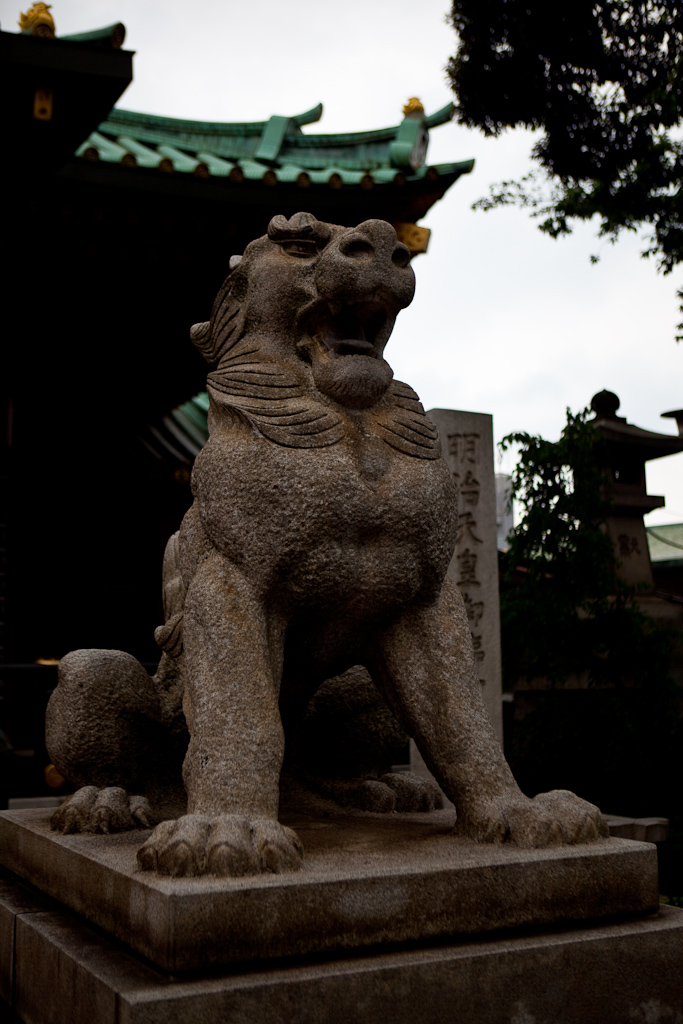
(505, 320)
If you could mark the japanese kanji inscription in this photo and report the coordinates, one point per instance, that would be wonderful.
(467, 442)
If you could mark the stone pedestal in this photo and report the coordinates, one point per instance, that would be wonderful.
(366, 880)
(391, 920)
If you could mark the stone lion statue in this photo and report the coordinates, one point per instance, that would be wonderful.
(323, 522)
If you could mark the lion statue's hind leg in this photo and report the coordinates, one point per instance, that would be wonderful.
(344, 748)
(104, 734)
(102, 810)
(412, 792)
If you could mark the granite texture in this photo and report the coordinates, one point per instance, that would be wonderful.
(366, 880)
(323, 524)
(467, 445)
(14, 900)
(68, 973)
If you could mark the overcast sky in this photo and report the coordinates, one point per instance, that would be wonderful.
(505, 320)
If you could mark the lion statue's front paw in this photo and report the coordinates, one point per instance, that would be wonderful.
(101, 810)
(227, 845)
(551, 819)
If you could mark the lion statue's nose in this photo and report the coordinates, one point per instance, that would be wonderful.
(374, 239)
(368, 259)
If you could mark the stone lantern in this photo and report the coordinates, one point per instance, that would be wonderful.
(627, 448)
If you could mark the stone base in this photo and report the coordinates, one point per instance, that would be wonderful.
(367, 880)
(55, 969)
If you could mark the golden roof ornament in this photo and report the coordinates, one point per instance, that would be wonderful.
(413, 108)
(38, 21)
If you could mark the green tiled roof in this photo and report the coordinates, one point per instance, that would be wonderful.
(665, 542)
(182, 433)
(272, 151)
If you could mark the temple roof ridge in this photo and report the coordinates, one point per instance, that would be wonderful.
(178, 125)
(274, 150)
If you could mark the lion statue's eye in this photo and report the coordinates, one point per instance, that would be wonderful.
(301, 247)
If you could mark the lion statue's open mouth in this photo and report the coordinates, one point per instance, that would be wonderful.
(353, 330)
(344, 346)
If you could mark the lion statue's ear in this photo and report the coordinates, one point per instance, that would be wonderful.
(200, 335)
(217, 335)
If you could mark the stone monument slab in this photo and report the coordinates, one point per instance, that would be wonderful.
(366, 879)
(467, 445)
